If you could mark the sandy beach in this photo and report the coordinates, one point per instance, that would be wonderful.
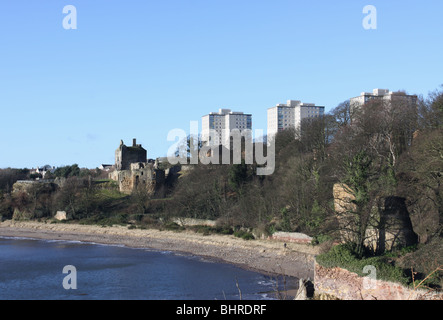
(266, 256)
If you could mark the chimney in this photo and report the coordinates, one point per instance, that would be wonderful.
(134, 142)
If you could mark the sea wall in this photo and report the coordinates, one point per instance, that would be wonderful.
(345, 285)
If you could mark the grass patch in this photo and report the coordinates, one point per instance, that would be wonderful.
(110, 195)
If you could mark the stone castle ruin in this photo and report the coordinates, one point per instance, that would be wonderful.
(389, 224)
(125, 155)
(133, 169)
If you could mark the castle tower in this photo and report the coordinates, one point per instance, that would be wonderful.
(125, 155)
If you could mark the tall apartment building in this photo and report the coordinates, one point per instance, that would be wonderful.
(224, 119)
(290, 115)
(382, 95)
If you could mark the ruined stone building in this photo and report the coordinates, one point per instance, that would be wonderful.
(133, 170)
(124, 155)
(389, 223)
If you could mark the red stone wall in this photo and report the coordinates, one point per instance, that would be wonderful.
(346, 285)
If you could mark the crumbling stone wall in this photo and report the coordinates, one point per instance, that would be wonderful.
(345, 285)
(140, 174)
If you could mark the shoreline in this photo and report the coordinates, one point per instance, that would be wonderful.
(264, 256)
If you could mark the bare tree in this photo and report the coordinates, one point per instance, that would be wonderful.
(141, 195)
(77, 196)
(343, 114)
(430, 110)
(421, 181)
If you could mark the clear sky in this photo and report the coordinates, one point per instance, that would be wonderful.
(138, 69)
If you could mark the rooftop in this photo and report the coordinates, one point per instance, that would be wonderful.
(381, 93)
(293, 104)
(223, 112)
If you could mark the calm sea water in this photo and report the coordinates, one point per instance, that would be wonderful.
(33, 269)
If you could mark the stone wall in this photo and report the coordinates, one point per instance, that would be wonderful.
(139, 174)
(345, 285)
(194, 222)
(291, 237)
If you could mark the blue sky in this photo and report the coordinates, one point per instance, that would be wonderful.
(138, 69)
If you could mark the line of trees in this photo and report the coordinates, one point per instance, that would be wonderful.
(379, 150)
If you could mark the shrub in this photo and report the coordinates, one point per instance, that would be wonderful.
(343, 256)
(104, 220)
(172, 226)
(401, 251)
(206, 230)
(244, 235)
(318, 239)
(225, 230)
